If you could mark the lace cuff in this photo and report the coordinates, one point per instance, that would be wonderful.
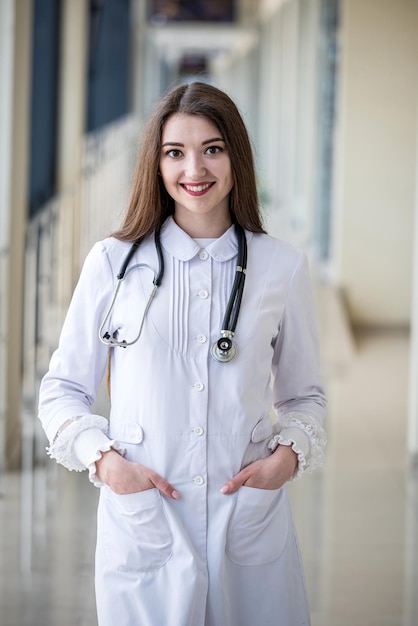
(88, 447)
(61, 448)
(92, 466)
(286, 441)
(288, 425)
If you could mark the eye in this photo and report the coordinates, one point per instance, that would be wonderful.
(174, 153)
(212, 150)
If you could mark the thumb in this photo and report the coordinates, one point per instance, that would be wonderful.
(235, 483)
(164, 486)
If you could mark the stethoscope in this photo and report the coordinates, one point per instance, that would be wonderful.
(224, 349)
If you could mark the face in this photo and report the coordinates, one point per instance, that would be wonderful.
(196, 171)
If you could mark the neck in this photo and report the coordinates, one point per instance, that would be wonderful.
(201, 228)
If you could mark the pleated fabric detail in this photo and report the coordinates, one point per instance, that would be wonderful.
(179, 305)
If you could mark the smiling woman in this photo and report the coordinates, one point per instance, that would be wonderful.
(193, 476)
(150, 203)
(196, 172)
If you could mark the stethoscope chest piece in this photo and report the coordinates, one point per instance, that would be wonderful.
(224, 349)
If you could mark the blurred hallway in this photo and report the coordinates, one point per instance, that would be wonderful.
(357, 517)
(329, 92)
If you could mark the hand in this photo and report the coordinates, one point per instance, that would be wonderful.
(269, 473)
(124, 476)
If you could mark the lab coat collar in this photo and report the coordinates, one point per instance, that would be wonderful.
(180, 245)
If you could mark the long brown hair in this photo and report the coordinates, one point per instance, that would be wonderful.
(150, 204)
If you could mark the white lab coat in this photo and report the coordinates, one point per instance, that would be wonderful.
(208, 559)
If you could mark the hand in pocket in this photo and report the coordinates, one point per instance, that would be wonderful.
(269, 473)
(124, 477)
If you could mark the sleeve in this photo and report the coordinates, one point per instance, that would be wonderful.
(88, 447)
(76, 369)
(299, 397)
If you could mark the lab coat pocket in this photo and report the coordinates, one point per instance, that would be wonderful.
(258, 526)
(137, 534)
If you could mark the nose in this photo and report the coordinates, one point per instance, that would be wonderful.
(194, 167)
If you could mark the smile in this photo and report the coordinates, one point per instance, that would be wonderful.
(197, 189)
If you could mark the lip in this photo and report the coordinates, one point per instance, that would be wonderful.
(197, 189)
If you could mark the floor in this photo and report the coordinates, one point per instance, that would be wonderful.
(357, 517)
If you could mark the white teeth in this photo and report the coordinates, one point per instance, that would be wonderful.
(197, 187)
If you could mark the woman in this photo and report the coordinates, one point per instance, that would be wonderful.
(194, 523)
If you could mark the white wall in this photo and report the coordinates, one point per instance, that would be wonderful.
(6, 81)
(376, 168)
(413, 374)
(15, 70)
(6, 104)
(275, 85)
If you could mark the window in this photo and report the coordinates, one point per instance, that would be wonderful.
(327, 113)
(44, 98)
(162, 11)
(109, 62)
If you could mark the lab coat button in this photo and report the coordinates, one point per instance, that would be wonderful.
(198, 480)
(198, 430)
(203, 255)
(201, 338)
(199, 386)
(203, 294)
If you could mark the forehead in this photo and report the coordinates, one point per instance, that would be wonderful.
(184, 127)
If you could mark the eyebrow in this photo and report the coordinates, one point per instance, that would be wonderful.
(181, 145)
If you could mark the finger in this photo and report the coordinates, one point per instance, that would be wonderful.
(165, 487)
(235, 483)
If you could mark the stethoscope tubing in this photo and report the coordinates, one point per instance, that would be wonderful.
(159, 276)
(230, 319)
(218, 351)
(106, 338)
